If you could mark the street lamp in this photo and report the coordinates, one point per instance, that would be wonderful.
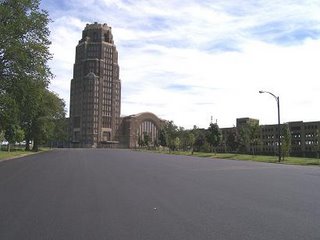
(279, 131)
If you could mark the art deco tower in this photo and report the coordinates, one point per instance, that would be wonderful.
(95, 89)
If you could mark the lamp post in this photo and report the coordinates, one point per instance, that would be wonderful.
(279, 130)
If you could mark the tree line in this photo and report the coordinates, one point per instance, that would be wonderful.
(197, 139)
(29, 111)
(245, 139)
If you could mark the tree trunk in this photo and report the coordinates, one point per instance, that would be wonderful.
(35, 147)
(27, 145)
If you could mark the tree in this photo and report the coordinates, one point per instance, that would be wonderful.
(176, 144)
(254, 135)
(249, 136)
(24, 42)
(1, 138)
(286, 141)
(51, 109)
(14, 134)
(192, 140)
(9, 112)
(213, 136)
(200, 139)
(9, 120)
(59, 134)
(140, 141)
(33, 105)
(187, 139)
(163, 137)
(244, 138)
(168, 134)
(24, 54)
(146, 139)
(232, 143)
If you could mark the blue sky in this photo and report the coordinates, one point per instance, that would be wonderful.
(188, 60)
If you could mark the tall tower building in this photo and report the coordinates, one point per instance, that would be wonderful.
(95, 89)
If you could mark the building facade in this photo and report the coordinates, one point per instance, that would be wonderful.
(140, 129)
(305, 137)
(95, 96)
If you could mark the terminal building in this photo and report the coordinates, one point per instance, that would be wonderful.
(135, 128)
(95, 97)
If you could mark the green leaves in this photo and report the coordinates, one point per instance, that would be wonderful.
(213, 135)
(25, 101)
(249, 135)
(24, 42)
(8, 111)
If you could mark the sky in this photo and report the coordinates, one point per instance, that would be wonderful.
(193, 61)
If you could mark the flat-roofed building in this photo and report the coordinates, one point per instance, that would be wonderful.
(305, 137)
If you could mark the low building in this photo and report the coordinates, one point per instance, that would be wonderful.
(139, 128)
(305, 137)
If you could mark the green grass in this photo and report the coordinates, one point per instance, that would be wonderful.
(255, 158)
(17, 152)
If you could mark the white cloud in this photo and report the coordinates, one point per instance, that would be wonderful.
(187, 61)
(236, 78)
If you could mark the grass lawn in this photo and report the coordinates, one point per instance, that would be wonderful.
(17, 152)
(256, 158)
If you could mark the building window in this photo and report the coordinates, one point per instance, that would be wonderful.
(106, 136)
(76, 136)
(106, 122)
(76, 122)
(95, 36)
(106, 37)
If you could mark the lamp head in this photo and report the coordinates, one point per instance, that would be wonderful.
(261, 91)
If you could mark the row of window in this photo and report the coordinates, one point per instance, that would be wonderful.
(149, 128)
(311, 127)
(268, 129)
(308, 135)
(293, 143)
(108, 49)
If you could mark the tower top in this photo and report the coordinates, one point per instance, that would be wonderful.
(96, 25)
(97, 32)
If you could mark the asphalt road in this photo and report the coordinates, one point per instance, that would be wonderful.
(120, 194)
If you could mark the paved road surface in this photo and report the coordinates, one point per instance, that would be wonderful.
(120, 194)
